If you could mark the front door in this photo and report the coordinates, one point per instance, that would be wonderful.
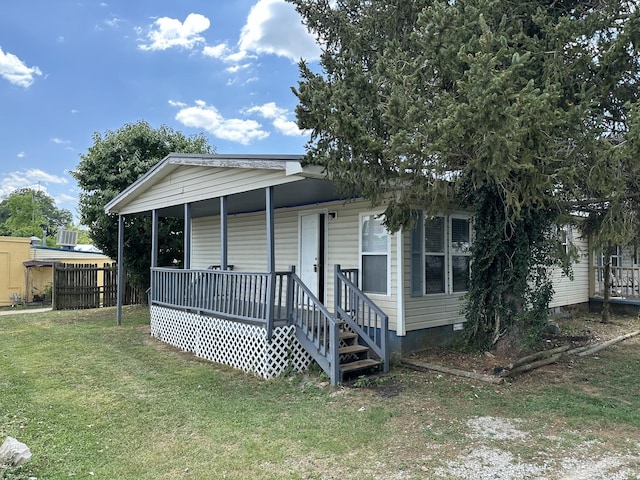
(312, 252)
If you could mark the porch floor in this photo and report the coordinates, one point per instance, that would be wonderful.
(619, 305)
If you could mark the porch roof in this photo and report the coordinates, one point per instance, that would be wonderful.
(202, 179)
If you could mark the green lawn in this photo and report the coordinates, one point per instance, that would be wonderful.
(94, 400)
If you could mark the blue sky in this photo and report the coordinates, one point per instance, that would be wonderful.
(69, 68)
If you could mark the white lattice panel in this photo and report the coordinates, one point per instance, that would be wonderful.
(175, 327)
(285, 352)
(236, 344)
(231, 343)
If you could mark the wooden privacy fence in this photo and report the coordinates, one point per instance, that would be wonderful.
(79, 286)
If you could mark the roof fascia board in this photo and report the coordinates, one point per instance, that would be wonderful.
(163, 164)
(308, 171)
(174, 160)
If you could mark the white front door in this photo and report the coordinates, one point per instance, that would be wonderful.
(310, 255)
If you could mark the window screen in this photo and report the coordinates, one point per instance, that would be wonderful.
(460, 273)
(434, 235)
(434, 274)
(374, 273)
(435, 265)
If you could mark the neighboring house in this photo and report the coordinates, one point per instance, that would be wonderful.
(26, 269)
(39, 268)
(13, 251)
(250, 220)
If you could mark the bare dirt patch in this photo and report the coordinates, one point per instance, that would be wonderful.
(576, 331)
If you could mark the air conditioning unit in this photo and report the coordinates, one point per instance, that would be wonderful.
(67, 238)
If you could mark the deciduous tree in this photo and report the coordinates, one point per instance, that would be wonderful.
(114, 161)
(28, 212)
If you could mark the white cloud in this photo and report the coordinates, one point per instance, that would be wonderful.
(279, 117)
(169, 32)
(20, 155)
(16, 71)
(64, 198)
(208, 118)
(216, 51)
(113, 22)
(60, 141)
(237, 67)
(173, 103)
(274, 27)
(31, 178)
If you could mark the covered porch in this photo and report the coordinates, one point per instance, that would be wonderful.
(264, 320)
(624, 289)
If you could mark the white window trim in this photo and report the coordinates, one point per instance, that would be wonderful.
(361, 253)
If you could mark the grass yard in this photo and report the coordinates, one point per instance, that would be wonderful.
(94, 400)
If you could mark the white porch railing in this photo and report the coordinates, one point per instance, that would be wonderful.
(625, 282)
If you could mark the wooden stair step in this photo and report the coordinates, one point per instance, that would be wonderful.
(353, 349)
(359, 365)
(345, 335)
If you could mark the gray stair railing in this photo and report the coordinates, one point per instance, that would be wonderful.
(361, 314)
(316, 328)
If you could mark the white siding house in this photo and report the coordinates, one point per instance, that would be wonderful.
(250, 214)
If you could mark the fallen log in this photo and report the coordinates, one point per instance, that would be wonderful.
(600, 346)
(537, 355)
(575, 351)
(532, 365)
(422, 366)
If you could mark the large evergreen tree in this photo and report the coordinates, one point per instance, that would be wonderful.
(114, 162)
(514, 110)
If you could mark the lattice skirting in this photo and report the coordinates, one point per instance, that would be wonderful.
(231, 343)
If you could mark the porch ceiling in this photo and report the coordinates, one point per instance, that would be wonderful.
(308, 191)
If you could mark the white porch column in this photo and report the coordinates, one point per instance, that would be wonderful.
(401, 328)
(120, 285)
(223, 233)
(187, 236)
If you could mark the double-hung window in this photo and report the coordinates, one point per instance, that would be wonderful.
(374, 254)
(441, 254)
